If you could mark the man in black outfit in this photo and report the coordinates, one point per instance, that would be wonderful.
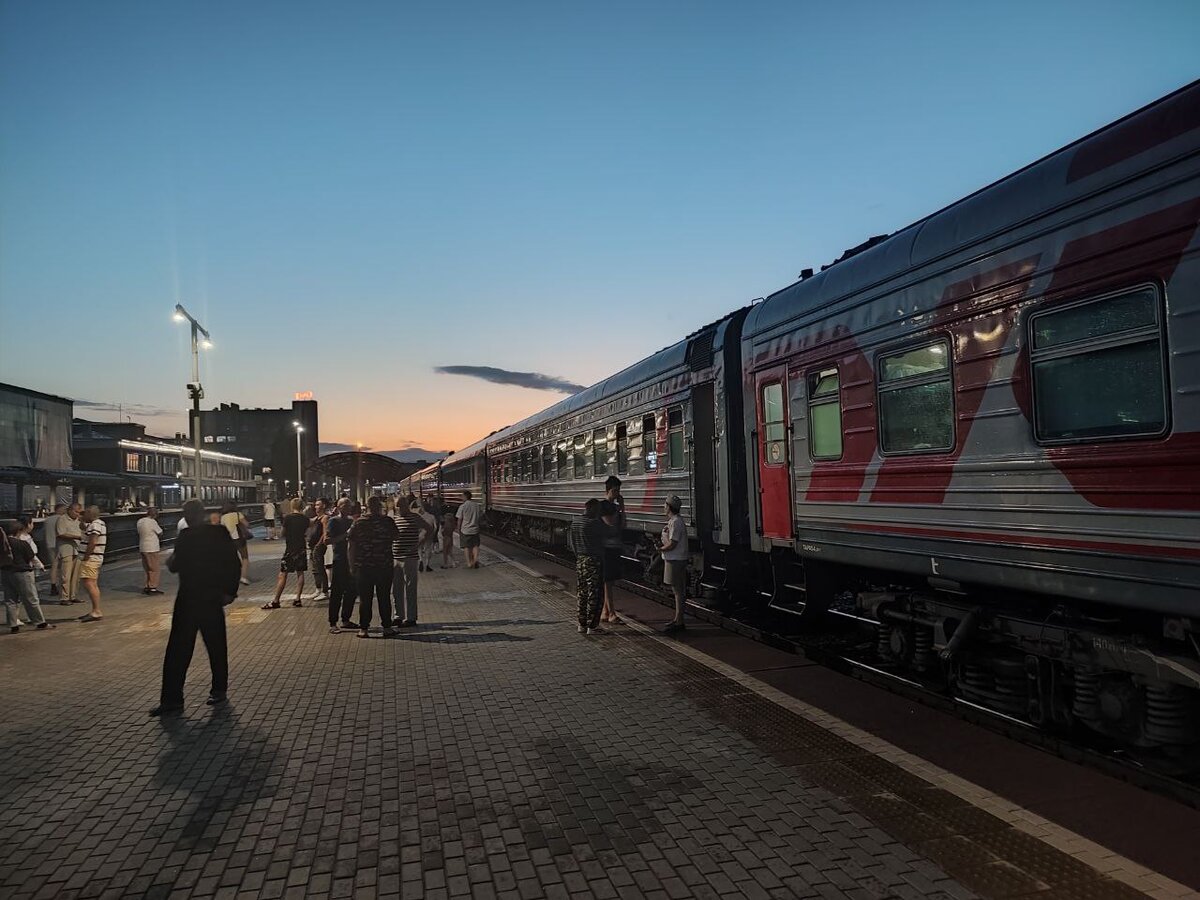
(371, 540)
(209, 569)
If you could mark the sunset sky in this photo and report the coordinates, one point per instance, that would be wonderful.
(349, 195)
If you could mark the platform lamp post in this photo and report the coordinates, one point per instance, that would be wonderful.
(299, 468)
(194, 388)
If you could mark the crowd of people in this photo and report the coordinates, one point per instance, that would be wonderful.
(373, 557)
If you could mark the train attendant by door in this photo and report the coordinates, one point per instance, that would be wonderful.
(675, 555)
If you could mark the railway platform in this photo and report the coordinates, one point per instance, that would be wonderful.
(494, 752)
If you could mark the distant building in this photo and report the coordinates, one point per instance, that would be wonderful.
(267, 437)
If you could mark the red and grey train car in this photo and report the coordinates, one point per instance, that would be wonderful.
(980, 435)
(986, 428)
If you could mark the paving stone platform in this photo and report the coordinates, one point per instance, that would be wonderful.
(490, 752)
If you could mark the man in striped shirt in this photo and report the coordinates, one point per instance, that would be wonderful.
(410, 526)
(95, 532)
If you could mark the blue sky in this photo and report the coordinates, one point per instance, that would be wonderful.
(351, 194)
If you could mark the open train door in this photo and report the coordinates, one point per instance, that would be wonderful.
(774, 471)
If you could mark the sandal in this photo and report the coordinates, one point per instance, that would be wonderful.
(297, 603)
(272, 605)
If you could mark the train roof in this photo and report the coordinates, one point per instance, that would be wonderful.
(1150, 134)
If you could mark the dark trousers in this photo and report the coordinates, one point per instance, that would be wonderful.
(375, 581)
(342, 593)
(589, 588)
(316, 556)
(190, 616)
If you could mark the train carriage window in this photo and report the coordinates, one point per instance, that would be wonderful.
(581, 456)
(675, 438)
(535, 464)
(622, 449)
(824, 415)
(774, 424)
(650, 443)
(916, 405)
(1098, 369)
(548, 469)
(599, 452)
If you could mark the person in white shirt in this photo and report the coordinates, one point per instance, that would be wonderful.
(468, 529)
(69, 529)
(269, 520)
(674, 548)
(95, 532)
(149, 544)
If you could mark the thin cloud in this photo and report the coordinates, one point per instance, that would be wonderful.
(534, 380)
(130, 409)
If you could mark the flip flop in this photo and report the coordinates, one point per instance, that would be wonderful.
(269, 606)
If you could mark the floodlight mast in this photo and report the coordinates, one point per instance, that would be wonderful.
(195, 389)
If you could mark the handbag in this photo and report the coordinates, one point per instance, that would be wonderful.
(244, 533)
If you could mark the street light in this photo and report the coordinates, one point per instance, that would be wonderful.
(195, 389)
(299, 469)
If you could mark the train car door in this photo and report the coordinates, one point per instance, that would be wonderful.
(774, 472)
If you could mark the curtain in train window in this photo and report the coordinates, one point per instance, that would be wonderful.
(581, 456)
(1098, 369)
(564, 459)
(599, 452)
(824, 415)
(916, 404)
(622, 449)
(774, 424)
(675, 438)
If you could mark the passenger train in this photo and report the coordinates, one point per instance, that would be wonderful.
(980, 435)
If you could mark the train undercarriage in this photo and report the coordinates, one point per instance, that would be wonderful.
(1133, 681)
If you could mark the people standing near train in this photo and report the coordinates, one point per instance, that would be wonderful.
(295, 554)
(207, 567)
(342, 593)
(269, 520)
(149, 544)
(317, 546)
(448, 525)
(95, 532)
(468, 516)
(674, 549)
(18, 577)
(235, 523)
(428, 537)
(50, 539)
(411, 530)
(587, 543)
(613, 515)
(371, 539)
(69, 530)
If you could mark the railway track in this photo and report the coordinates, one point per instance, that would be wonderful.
(841, 652)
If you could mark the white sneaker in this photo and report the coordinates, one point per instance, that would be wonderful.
(581, 629)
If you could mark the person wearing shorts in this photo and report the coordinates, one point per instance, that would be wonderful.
(269, 520)
(468, 516)
(295, 554)
(95, 532)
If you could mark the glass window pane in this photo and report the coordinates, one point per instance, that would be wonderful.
(772, 403)
(918, 361)
(1105, 393)
(1112, 316)
(777, 432)
(675, 450)
(823, 384)
(826, 424)
(622, 450)
(599, 452)
(674, 418)
(917, 418)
